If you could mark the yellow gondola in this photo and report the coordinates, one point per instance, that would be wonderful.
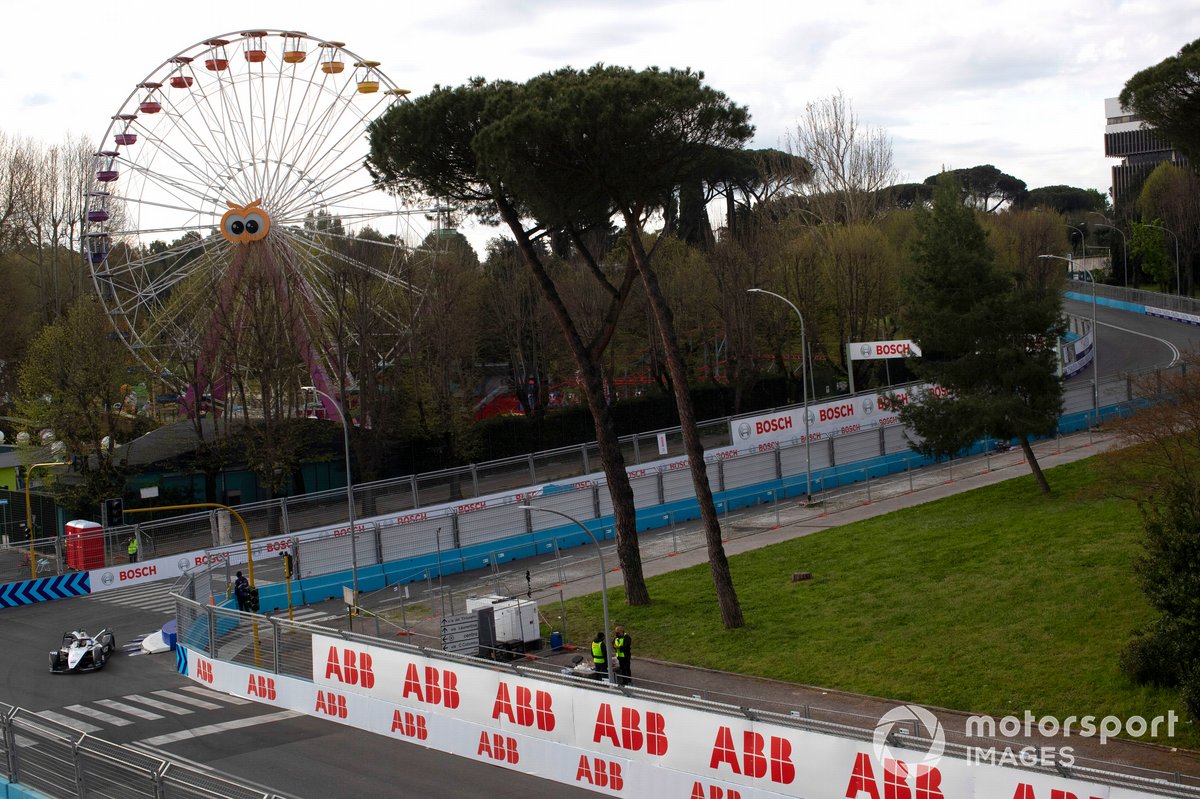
(330, 64)
(366, 84)
(293, 48)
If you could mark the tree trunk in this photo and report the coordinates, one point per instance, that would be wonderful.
(731, 610)
(619, 488)
(1034, 467)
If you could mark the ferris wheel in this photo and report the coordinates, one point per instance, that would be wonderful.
(231, 208)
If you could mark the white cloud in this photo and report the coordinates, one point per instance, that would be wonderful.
(1016, 83)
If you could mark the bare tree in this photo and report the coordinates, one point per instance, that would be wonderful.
(50, 198)
(850, 162)
(16, 171)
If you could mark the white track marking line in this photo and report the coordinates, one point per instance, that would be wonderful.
(128, 709)
(155, 703)
(209, 694)
(70, 721)
(224, 726)
(91, 712)
(188, 700)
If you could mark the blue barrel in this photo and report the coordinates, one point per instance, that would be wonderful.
(556, 642)
(169, 633)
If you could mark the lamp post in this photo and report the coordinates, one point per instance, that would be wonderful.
(29, 514)
(232, 512)
(1082, 241)
(337, 406)
(804, 380)
(603, 578)
(1095, 339)
(1178, 284)
(1125, 246)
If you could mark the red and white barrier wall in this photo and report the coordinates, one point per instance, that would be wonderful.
(611, 743)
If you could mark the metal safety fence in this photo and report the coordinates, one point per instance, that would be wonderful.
(390, 527)
(462, 535)
(397, 502)
(64, 763)
(1150, 299)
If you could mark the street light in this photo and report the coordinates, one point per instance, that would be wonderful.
(1082, 241)
(1095, 339)
(804, 380)
(1125, 245)
(226, 508)
(29, 515)
(1178, 284)
(603, 579)
(337, 406)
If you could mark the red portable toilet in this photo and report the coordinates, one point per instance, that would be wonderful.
(85, 545)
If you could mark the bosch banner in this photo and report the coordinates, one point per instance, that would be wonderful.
(874, 350)
(827, 420)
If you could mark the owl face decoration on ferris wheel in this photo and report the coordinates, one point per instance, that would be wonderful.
(243, 224)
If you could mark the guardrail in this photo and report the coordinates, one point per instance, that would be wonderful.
(64, 763)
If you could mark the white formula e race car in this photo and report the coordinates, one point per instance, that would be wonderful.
(83, 652)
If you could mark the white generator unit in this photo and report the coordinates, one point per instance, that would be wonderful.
(516, 619)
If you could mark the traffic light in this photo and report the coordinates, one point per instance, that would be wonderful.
(253, 604)
(114, 512)
(287, 564)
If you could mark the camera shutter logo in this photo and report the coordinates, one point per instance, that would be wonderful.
(812, 418)
(744, 430)
(917, 722)
(107, 578)
(183, 564)
(868, 406)
(865, 350)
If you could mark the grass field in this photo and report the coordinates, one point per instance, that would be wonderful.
(993, 601)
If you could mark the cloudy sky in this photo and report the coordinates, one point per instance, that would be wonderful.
(1015, 83)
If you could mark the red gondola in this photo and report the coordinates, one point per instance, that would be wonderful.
(256, 52)
(219, 62)
(180, 81)
(150, 105)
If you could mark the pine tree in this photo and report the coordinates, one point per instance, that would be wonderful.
(988, 338)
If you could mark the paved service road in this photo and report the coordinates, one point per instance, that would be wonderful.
(142, 700)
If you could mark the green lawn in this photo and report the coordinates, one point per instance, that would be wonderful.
(994, 601)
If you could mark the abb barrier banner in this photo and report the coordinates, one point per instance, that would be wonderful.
(622, 745)
(874, 350)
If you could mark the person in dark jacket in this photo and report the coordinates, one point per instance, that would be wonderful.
(241, 591)
(599, 657)
(621, 644)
